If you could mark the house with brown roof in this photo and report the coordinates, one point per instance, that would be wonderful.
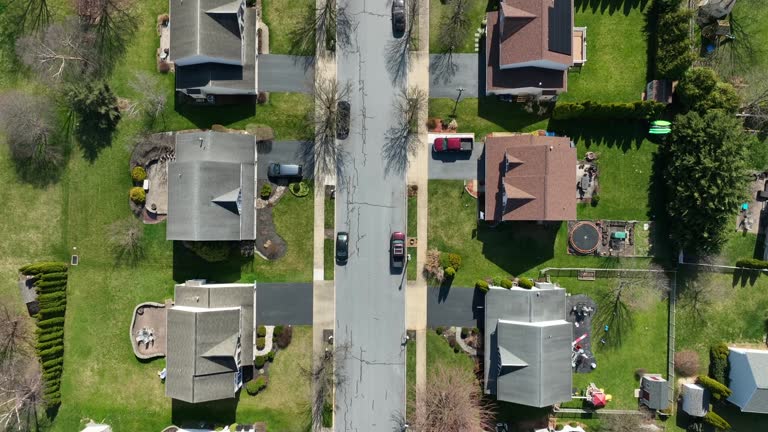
(529, 178)
(530, 45)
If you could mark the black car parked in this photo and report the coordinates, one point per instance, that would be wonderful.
(342, 120)
(398, 17)
(342, 247)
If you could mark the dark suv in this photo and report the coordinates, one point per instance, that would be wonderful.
(398, 17)
(342, 247)
(342, 120)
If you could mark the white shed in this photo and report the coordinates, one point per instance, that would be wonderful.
(695, 400)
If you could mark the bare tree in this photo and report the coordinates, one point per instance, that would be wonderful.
(322, 28)
(20, 396)
(402, 139)
(14, 335)
(60, 52)
(326, 373)
(125, 239)
(451, 402)
(322, 152)
(151, 100)
(399, 49)
(112, 22)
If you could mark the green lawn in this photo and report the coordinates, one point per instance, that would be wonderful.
(510, 249)
(410, 378)
(739, 245)
(616, 53)
(411, 269)
(329, 213)
(441, 355)
(475, 15)
(487, 114)
(329, 258)
(283, 18)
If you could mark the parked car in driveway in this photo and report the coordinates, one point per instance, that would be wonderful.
(342, 120)
(397, 250)
(444, 144)
(284, 170)
(398, 17)
(342, 247)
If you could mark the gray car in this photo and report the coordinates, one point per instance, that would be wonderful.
(284, 170)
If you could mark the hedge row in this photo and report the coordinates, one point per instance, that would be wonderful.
(752, 263)
(718, 362)
(51, 286)
(715, 420)
(43, 267)
(719, 390)
(588, 110)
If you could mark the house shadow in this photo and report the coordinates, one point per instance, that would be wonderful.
(624, 134)
(205, 116)
(205, 414)
(517, 247)
(610, 6)
(661, 247)
(187, 265)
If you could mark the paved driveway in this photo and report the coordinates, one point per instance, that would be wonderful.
(284, 73)
(284, 303)
(454, 306)
(457, 166)
(370, 204)
(444, 80)
(277, 151)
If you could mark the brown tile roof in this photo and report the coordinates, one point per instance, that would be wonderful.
(498, 80)
(542, 187)
(526, 32)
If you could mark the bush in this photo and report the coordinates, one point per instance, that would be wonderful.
(211, 251)
(59, 334)
(524, 282)
(673, 52)
(506, 283)
(639, 373)
(219, 128)
(59, 321)
(588, 110)
(595, 200)
(455, 261)
(718, 362)
(277, 331)
(259, 361)
(481, 285)
(433, 268)
(260, 343)
(701, 90)
(285, 337)
(464, 332)
(138, 174)
(50, 286)
(138, 195)
(261, 331)
(262, 98)
(449, 272)
(271, 356)
(440, 330)
(456, 349)
(299, 189)
(452, 340)
(53, 276)
(719, 390)
(752, 263)
(54, 351)
(687, 363)
(496, 281)
(256, 385)
(43, 267)
(266, 191)
(716, 421)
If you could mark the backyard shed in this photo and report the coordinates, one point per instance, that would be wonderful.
(749, 379)
(654, 392)
(29, 294)
(695, 400)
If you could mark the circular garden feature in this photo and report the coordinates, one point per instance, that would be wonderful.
(584, 238)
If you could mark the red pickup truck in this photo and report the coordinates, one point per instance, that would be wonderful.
(452, 144)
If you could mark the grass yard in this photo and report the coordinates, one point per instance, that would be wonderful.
(644, 345)
(615, 70)
(487, 114)
(475, 15)
(441, 355)
(411, 270)
(329, 213)
(410, 378)
(739, 245)
(329, 259)
(509, 249)
(283, 18)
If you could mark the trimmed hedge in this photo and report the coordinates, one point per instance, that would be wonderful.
(51, 352)
(719, 390)
(138, 195)
(752, 263)
(45, 337)
(454, 260)
(588, 110)
(450, 272)
(524, 282)
(285, 338)
(53, 276)
(482, 285)
(138, 174)
(58, 321)
(715, 420)
(256, 385)
(43, 267)
(277, 331)
(261, 331)
(718, 362)
(271, 356)
(58, 361)
(506, 283)
(51, 312)
(260, 343)
(259, 362)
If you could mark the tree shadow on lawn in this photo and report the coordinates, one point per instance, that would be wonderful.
(518, 247)
(623, 134)
(204, 116)
(509, 116)
(187, 265)
(625, 6)
(211, 414)
(661, 246)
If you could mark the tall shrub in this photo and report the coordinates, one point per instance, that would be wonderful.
(719, 390)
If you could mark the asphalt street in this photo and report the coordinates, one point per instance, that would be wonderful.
(370, 205)
(277, 151)
(284, 73)
(454, 306)
(458, 165)
(443, 80)
(284, 303)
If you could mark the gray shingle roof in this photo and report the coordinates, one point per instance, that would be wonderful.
(528, 360)
(210, 333)
(749, 379)
(195, 31)
(211, 170)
